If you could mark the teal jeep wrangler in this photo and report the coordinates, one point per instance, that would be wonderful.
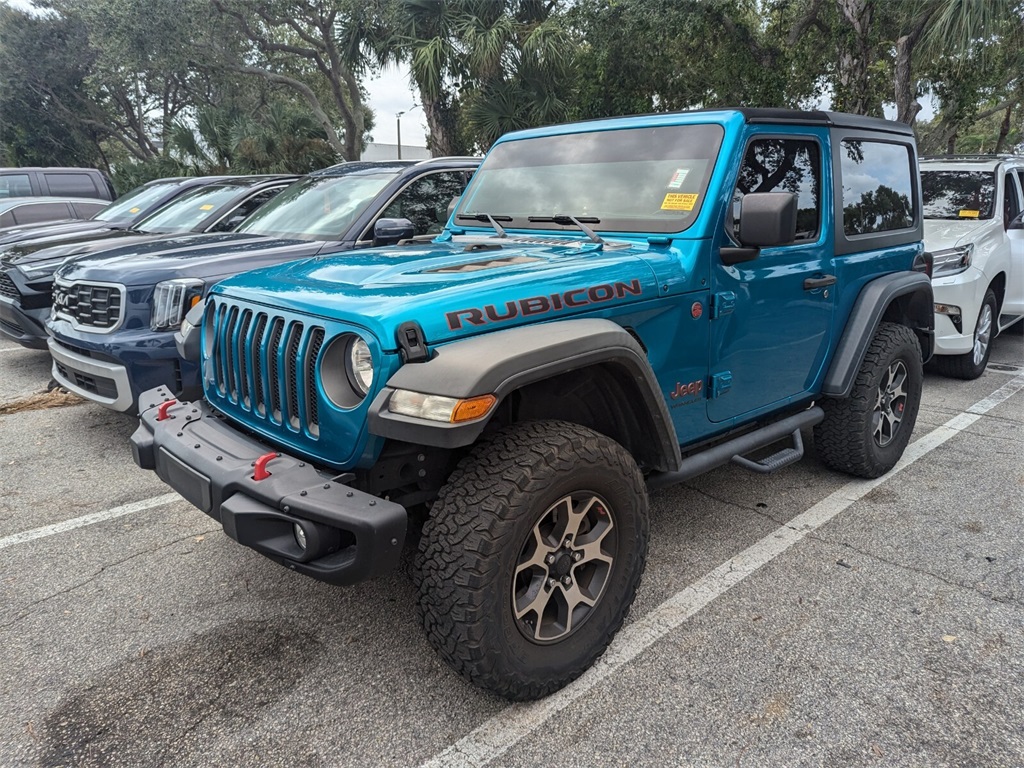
(614, 306)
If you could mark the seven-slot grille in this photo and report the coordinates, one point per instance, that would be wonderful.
(7, 286)
(267, 365)
(89, 305)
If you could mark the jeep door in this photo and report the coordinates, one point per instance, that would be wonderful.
(772, 315)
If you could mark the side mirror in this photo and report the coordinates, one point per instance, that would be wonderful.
(390, 231)
(189, 337)
(767, 219)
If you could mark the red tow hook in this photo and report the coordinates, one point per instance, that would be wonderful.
(260, 471)
(161, 412)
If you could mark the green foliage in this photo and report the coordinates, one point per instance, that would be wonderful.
(193, 86)
(44, 62)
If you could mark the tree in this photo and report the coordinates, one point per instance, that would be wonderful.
(44, 63)
(301, 40)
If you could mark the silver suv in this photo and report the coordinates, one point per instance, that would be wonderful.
(974, 228)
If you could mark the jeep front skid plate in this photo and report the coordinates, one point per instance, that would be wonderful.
(280, 506)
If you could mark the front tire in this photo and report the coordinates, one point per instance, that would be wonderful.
(532, 556)
(971, 365)
(866, 433)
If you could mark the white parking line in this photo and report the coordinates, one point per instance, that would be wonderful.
(500, 733)
(95, 517)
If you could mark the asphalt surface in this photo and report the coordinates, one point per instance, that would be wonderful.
(892, 634)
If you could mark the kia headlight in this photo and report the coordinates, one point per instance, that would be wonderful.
(952, 261)
(172, 299)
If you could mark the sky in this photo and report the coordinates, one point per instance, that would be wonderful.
(390, 93)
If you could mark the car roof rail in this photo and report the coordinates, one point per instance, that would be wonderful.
(449, 157)
(972, 156)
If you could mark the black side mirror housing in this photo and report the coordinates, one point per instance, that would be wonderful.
(767, 219)
(390, 231)
(188, 338)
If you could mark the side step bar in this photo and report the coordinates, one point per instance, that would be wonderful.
(734, 449)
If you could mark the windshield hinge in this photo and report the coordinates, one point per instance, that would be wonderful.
(410, 341)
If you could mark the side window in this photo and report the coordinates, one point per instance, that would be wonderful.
(71, 184)
(243, 209)
(425, 201)
(1011, 200)
(6, 219)
(88, 210)
(33, 214)
(878, 192)
(784, 165)
(15, 185)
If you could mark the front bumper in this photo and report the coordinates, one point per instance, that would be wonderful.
(114, 369)
(351, 535)
(97, 380)
(967, 291)
(25, 326)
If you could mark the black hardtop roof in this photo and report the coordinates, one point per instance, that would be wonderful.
(821, 117)
(789, 116)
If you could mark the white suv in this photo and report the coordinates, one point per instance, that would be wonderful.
(974, 228)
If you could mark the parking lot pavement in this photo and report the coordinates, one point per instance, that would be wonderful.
(888, 632)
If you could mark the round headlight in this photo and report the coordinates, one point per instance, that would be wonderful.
(360, 365)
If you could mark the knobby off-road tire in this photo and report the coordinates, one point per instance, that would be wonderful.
(865, 434)
(971, 365)
(496, 578)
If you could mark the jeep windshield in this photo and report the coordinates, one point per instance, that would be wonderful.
(317, 208)
(633, 180)
(958, 194)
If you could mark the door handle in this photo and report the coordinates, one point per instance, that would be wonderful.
(819, 282)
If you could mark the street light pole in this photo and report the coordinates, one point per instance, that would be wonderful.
(398, 130)
(398, 126)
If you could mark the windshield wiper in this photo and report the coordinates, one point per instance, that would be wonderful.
(486, 217)
(565, 220)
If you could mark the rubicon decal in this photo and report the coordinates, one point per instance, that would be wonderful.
(538, 305)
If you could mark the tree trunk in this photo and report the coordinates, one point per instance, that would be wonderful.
(1004, 130)
(854, 65)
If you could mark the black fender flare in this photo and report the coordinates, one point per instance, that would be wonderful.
(501, 362)
(917, 310)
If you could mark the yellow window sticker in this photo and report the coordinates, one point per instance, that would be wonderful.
(970, 214)
(206, 207)
(678, 178)
(134, 210)
(678, 202)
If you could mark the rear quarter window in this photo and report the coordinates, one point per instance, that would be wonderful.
(877, 186)
(71, 184)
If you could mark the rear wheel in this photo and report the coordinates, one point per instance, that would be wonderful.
(865, 434)
(532, 556)
(973, 364)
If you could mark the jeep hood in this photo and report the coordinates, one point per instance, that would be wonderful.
(453, 289)
(198, 255)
